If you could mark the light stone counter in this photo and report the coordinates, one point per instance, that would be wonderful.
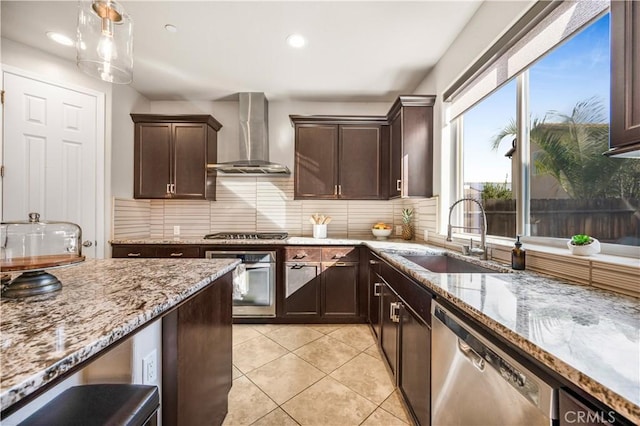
(589, 336)
(101, 302)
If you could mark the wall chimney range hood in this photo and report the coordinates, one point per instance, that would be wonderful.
(254, 140)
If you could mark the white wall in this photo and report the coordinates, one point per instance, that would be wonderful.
(491, 21)
(125, 100)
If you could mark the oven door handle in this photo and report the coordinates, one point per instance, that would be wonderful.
(248, 266)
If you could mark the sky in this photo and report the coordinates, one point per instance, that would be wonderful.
(574, 71)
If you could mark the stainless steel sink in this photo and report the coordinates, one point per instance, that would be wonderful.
(448, 265)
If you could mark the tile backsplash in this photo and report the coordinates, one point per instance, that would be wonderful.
(248, 204)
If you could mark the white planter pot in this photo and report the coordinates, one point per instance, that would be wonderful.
(585, 250)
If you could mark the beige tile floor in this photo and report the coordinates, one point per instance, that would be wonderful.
(321, 375)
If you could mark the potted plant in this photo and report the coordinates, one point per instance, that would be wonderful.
(583, 245)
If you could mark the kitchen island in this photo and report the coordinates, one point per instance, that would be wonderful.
(102, 301)
(581, 335)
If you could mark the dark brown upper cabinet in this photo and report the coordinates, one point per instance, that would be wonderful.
(625, 78)
(411, 163)
(340, 157)
(171, 153)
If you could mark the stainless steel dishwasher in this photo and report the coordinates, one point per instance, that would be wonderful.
(475, 383)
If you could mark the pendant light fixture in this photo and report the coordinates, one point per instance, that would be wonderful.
(105, 41)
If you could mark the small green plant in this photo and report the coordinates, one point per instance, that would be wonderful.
(581, 240)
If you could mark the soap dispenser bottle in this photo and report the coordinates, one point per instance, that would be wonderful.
(518, 256)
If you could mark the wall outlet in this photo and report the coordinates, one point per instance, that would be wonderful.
(150, 368)
(398, 230)
(176, 230)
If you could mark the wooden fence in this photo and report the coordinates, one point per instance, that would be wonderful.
(607, 219)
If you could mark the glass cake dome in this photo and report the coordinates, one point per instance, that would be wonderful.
(33, 245)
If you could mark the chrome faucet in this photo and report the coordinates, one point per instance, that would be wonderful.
(482, 250)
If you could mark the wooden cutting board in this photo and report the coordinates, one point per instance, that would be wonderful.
(39, 262)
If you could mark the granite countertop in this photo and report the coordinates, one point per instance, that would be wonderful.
(589, 336)
(101, 301)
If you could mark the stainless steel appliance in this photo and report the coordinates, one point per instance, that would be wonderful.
(254, 282)
(247, 236)
(475, 383)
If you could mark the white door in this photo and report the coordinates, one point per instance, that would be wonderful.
(50, 139)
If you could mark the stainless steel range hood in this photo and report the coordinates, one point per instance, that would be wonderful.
(254, 140)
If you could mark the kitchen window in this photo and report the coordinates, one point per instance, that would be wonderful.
(556, 110)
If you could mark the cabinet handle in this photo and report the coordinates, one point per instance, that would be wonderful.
(395, 311)
(339, 256)
(339, 264)
(399, 185)
(376, 289)
(339, 189)
(168, 188)
(173, 188)
(175, 254)
(133, 254)
(296, 266)
(300, 256)
(373, 262)
(335, 189)
(391, 306)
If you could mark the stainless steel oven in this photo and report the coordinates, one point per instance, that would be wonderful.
(254, 282)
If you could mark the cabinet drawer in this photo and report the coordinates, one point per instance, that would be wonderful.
(302, 254)
(133, 251)
(178, 251)
(340, 254)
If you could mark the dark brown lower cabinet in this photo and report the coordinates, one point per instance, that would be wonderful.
(302, 289)
(573, 410)
(389, 328)
(196, 357)
(414, 379)
(373, 294)
(340, 289)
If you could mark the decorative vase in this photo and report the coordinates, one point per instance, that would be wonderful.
(407, 231)
(586, 249)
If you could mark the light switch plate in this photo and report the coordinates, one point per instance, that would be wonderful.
(398, 230)
(176, 230)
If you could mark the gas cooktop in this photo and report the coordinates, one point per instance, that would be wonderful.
(247, 236)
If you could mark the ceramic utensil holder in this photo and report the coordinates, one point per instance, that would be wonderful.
(320, 231)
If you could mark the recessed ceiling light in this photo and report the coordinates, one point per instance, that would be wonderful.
(171, 28)
(60, 38)
(296, 40)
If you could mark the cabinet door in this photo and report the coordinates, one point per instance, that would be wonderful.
(178, 252)
(417, 151)
(189, 160)
(359, 162)
(142, 251)
(625, 75)
(152, 160)
(340, 289)
(374, 294)
(395, 168)
(196, 357)
(389, 329)
(415, 365)
(302, 289)
(316, 161)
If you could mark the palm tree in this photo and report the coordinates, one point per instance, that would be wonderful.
(570, 150)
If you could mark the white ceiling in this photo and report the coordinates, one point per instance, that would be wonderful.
(356, 51)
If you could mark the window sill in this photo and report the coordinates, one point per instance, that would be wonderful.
(612, 272)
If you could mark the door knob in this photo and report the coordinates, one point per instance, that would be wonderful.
(87, 243)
